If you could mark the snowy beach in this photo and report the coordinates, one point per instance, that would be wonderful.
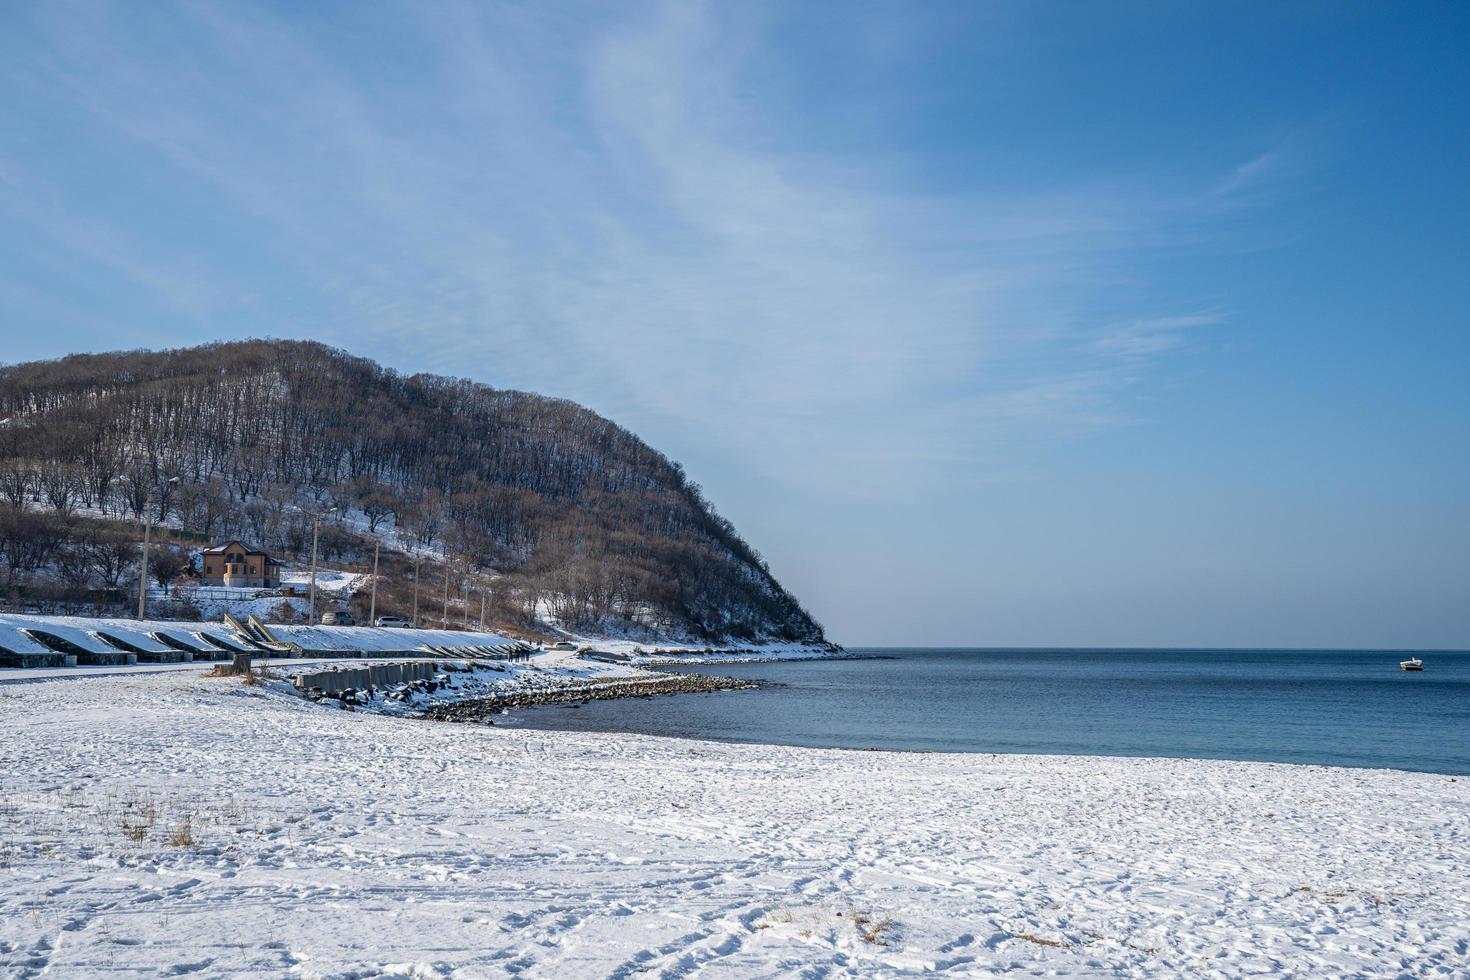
(167, 823)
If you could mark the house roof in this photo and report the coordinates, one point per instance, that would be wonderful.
(221, 548)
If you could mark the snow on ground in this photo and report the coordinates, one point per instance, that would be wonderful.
(330, 580)
(761, 653)
(267, 609)
(167, 823)
(378, 641)
(214, 600)
(654, 653)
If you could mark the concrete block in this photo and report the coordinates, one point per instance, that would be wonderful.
(361, 678)
(89, 659)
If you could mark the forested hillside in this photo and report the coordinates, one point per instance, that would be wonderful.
(560, 510)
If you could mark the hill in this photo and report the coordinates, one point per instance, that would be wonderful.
(559, 515)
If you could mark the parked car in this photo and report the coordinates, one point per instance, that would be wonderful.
(334, 618)
(392, 621)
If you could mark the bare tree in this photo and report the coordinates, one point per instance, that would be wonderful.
(113, 555)
(167, 564)
(61, 485)
(28, 540)
(203, 506)
(74, 565)
(377, 506)
(17, 481)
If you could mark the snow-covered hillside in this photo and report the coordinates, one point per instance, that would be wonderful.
(538, 510)
(171, 824)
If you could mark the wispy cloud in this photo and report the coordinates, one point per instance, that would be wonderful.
(1143, 339)
(584, 203)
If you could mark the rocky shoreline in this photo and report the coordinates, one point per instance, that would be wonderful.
(483, 710)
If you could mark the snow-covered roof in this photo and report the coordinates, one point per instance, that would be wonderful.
(19, 634)
(97, 635)
(385, 639)
(13, 640)
(80, 632)
(217, 549)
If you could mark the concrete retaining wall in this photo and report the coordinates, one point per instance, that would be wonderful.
(360, 678)
(88, 659)
(8, 659)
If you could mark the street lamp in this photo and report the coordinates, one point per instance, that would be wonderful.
(147, 533)
(311, 600)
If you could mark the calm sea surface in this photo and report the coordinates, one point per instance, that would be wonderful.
(1322, 707)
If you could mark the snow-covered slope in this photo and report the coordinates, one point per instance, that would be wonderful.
(168, 824)
(561, 517)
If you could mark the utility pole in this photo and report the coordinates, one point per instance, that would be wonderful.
(147, 534)
(311, 600)
(143, 572)
(446, 592)
(416, 562)
(482, 609)
(373, 604)
(464, 587)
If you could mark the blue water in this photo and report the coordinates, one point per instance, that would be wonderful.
(1318, 707)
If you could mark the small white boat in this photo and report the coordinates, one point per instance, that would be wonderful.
(1413, 663)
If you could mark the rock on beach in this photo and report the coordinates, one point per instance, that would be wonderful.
(484, 709)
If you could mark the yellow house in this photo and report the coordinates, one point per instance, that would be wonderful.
(241, 566)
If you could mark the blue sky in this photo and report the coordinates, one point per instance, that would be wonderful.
(1051, 324)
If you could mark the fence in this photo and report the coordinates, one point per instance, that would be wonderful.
(184, 592)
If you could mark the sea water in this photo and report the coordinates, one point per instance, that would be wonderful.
(1337, 708)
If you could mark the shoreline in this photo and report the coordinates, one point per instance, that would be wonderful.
(364, 845)
(481, 692)
(994, 755)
